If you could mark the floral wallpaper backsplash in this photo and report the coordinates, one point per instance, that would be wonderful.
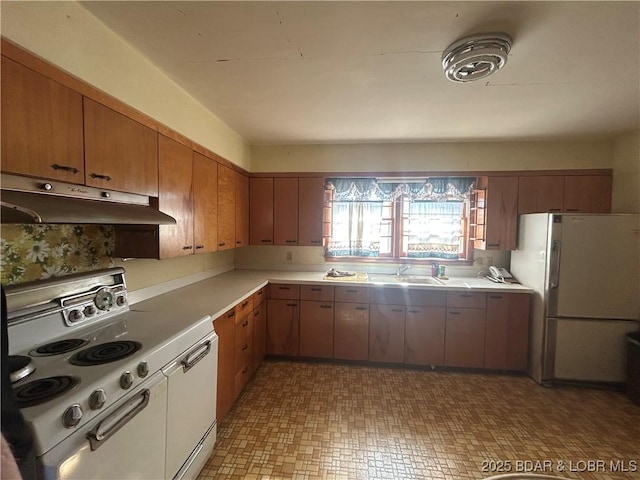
(33, 252)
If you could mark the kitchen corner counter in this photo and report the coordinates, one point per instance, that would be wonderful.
(216, 295)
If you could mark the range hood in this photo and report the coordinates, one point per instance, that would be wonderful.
(30, 200)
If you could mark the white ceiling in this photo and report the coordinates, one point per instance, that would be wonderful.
(318, 72)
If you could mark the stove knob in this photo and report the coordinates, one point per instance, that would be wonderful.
(97, 399)
(75, 315)
(89, 310)
(72, 416)
(121, 300)
(126, 380)
(143, 369)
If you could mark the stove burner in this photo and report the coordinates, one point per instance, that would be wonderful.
(20, 366)
(59, 347)
(105, 353)
(44, 389)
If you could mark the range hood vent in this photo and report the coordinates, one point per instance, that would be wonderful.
(29, 200)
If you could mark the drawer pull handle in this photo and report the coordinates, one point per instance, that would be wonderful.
(100, 176)
(291, 241)
(245, 303)
(316, 289)
(495, 297)
(198, 247)
(351, 290)
(244, 370)
(231, 314)
(284, 288)
(292, 304)
(244, 347)
(221, 244)
(264, 240)
(257, 312)
(396, 310)
(362, 308)
(316, 242)
(188, 247)
(413, 311)
(238, 242)
(493, 244)
(454, 312)
(245, 323)
(325, 306)
(73, 170)
(466, 295)
(573, 209)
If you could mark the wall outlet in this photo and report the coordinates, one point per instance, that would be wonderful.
(289, 256)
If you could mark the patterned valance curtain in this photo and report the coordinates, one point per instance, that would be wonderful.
(437, 189)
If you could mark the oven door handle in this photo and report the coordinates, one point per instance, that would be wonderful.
(195, 355)
(118, 419)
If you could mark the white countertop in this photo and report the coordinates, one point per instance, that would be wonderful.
(215, 295)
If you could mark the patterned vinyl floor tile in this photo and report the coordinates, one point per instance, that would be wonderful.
(311, 421)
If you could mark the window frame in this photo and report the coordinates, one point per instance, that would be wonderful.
(465, 256)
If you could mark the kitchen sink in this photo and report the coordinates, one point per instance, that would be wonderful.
(416, 279)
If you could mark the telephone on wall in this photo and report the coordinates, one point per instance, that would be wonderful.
(499, 275)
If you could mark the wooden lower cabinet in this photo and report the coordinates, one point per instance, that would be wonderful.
(351, 331)
(243, 349)
(386, 333)
(224, 326)
(259, 335)
(316, 329)
(283, 327)
(507, 331)
(424, 335)
(464, 338)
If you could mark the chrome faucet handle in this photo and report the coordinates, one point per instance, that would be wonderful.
(401, 269)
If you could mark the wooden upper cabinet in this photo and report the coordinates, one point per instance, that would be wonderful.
(205, 204)
(285, 211)
(226, 208)
(261, 211)
(540, 193)
(242, 210)
(587, 193)
(501, 215)
(41, 126)
(176, 198)
(120, 153)
(310, 208)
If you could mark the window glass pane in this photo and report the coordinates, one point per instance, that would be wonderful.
(433, 230)
(355, 229)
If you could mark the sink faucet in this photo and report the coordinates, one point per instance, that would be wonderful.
(401, 269)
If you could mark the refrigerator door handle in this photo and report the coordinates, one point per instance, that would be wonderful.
(554, 273)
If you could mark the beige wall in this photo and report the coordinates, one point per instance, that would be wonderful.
(433, 156)
(65, 34)
(626, 174)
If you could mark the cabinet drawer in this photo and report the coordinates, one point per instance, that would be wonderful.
(388, 296)
(318, 293)
(244, 307)
(466, 299)
(228, 314)
(244, 353)
(284, 290)
(352, 294)
(259, 297)
(243, 328)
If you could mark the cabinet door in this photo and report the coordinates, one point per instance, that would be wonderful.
(464, 337)
(351, 331)
(261, 211)
(205, 204)
(259, 335)
(386, 333)
(540, 193)
(175, 176)
(424, 334)
(501, 213)
(282, 327)
(310, 208)
(225, 328)
(242, 210)
(507, 331)
(41, 126)
(285, 211)
(226, 208)
(587, 193)
(119, 153)
(316, 329)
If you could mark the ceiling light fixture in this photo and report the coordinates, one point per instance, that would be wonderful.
(476, 56)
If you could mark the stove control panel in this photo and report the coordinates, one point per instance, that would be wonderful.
(88, 306)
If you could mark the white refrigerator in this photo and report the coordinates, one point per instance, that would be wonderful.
(585, 272)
